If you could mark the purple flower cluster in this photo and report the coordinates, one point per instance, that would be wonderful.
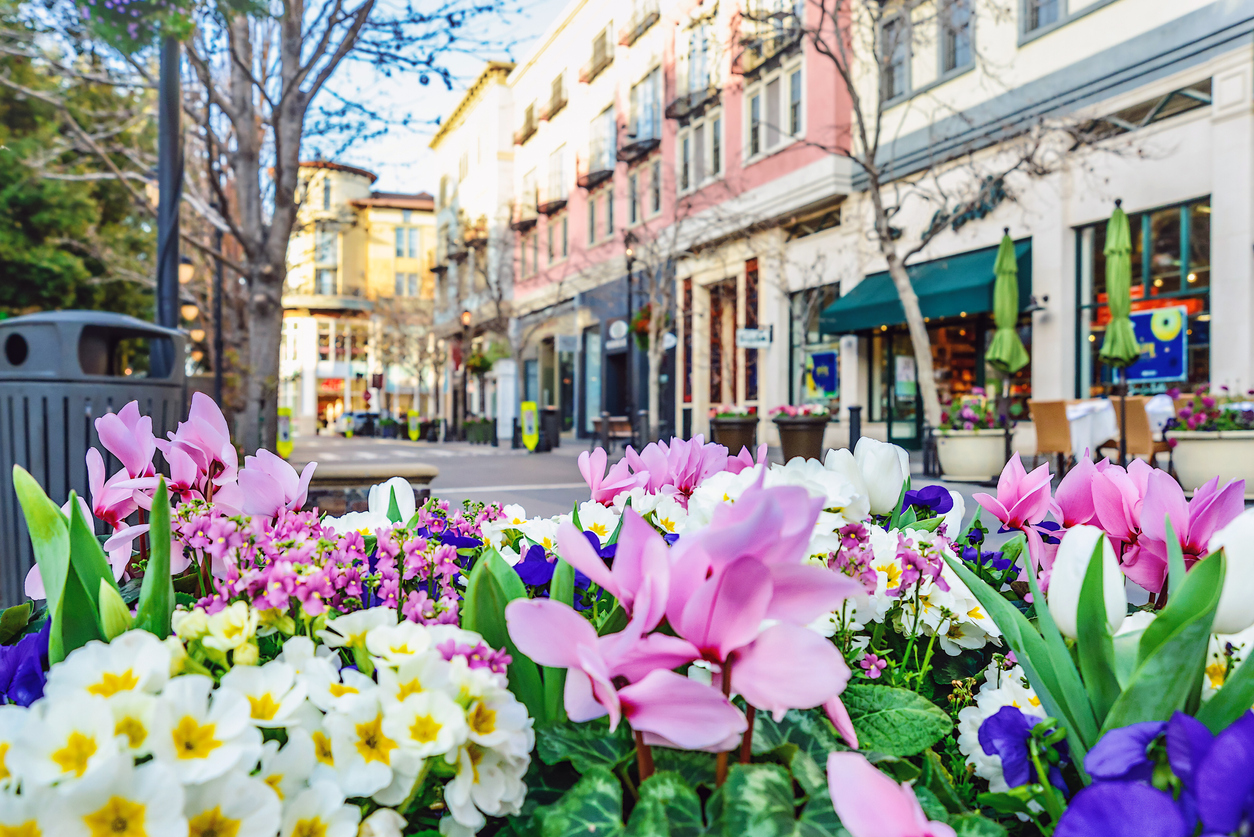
(855, 556)
(919, 561)
(477, 656)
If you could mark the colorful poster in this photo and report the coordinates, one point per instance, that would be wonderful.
(530, 425)
(413, 425)
(284, 446)
(824, 373)
(1163, 334)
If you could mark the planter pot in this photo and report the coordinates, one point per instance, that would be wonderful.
(971, 455)
(735, 433)
(1200, 456)
(801, 436)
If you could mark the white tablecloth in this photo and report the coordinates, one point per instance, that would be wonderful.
(1160, 408)
(1092, 422)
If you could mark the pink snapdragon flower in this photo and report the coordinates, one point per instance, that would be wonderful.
(606, 486)
(870, 804)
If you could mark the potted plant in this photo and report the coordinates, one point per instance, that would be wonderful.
(640, 325)
(734, 426)
(971, 439)
(801, 429)
(478, 363)
(1213, 435)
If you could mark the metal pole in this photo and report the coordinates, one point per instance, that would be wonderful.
(217, 320)
(631, 392)
(1123, 420)
(170, 184)
(855, 425)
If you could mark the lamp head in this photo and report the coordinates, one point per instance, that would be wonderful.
(466, 316)
(187, 270)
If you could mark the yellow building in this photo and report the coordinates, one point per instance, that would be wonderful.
(357, 298)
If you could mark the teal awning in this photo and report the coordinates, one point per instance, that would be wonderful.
(947, 287)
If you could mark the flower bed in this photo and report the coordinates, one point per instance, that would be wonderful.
(708, 645)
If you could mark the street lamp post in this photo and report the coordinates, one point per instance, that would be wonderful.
(466, 317)
(628, 241)
(217, 319)
(170, 185)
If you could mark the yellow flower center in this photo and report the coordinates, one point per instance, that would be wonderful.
(372, 743)
(310, 828)
(133, 729)
(193, 740)
(30, 828)
(599, 529)
(212, 823)
(73, 757)
(117, 818)
(975, 613)
(667, 524)
(264, 708)
(424, 729)
(547, 543)
(893, 572)
(481, 719)
(476, 756)
(412, 687)
(341, 689)
(322, 748)
(110, 684)
(1034, 700)
(4, 755)
(1216, 673)
(273, 781)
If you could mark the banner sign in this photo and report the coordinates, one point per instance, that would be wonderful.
(413, 425)
(1163, 334)
(285, 445)
(530, 425)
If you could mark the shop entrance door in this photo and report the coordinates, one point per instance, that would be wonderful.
(904, 407)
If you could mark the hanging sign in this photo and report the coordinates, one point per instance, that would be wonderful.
(754, 338)
(1163, 335)
(530, 425)
(413, 425)
(284, 445)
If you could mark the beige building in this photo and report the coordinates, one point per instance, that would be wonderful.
(357, 298)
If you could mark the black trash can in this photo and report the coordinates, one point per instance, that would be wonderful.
(551, 425)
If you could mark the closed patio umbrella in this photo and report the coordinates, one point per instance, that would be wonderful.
(1119, 348)
(1005, 351)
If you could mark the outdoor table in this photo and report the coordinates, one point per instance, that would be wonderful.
(1160, 409)
(1092, 423)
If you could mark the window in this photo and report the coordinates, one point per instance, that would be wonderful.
(685, 156)
(698, 76)
(894, 54)
(535, 253)
(609, 212)
(633, 199)
(326, 192)
(646, 110)
(413, 284)
(1170, 270)
(550, 230)
(698, 154)
(413, 242)
(407, 216)
(794, 103)
(716, 146)
(326, 246)
(557, 96)
(522, 256)
(443, 190)
(400, 242)
(601, 154)
(1041, 13)
(407, 284)
(955, 35)
(565, 235)
(755, 125)
(325, 282)
(557, 175)
(772, 113)
(655, 187)
(592, 219)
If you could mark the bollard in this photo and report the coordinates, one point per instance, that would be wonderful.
(855, 425)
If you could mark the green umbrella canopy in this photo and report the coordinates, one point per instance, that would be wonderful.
(1005, 352)
(1120, 347)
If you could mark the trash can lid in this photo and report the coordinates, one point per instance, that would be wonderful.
(86, 345)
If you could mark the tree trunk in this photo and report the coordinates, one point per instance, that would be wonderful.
(265, 331)
(925, 377)
(656, 353)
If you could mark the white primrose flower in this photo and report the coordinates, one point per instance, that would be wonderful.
(420, 674)
(486, 783)
(1001, 688)
(513, 516)
(320, 811)
(286, 770)
(231, 627)
(274, 694)
(641, 501)
(133, 714)
(235, 804)
(337, 692)
(382, 823)
(394, 644)
(541, 531)
(426, 724)
(121, 800)
(200, 738)
(600, 520)
(498, 721)
(64, 740)
(349, 630)
(841, 497)
(13, 720)
(723, 487)
(136, 660)
(669, 515)
(362, 750)
(26, 815)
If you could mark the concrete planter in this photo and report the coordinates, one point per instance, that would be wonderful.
(735, 432)
(801, 435)
(971, 455)
(1201, 455)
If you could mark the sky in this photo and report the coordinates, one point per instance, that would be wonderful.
(399, 155)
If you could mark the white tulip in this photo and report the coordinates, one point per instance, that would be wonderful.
(380, 497)
(1067, 578)
(1236, 602)
(884, 470)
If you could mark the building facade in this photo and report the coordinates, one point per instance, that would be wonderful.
(357, 299)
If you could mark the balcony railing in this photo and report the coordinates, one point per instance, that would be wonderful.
(552, 107)
(528, 129)
(601, 159)
(692, 104)
(764, 50)
(553, 200)
(641, 19)
(596, 65)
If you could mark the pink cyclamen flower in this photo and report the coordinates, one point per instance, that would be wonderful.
(642, 558)
(679, 465)
(205, 438)
(271, 485)
(871, 804)
(744, 460)
(1194, 522)
(873, 665)
(1073, 501)
(606, 486)
(1022, 499)
(110, 501)
(128, 436)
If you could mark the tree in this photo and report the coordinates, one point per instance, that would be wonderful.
(402, 327)
(868, 42)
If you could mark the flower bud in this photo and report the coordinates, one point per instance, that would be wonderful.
(246, 655)
(884, 470)
(1067, 579)
(1236, 601)
(178, 655)
(115, 616)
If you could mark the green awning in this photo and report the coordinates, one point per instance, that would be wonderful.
(947, 287)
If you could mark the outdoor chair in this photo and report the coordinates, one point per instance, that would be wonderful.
(1140, 436)
(1053, 432)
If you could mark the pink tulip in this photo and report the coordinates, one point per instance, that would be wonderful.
(271, 485)
(1022, 499)
(641, 558)
(743, 460)
(606, 486)
(128, 436)
(871, 804)
(1194, 522)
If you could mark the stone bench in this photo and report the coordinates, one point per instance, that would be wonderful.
(341, 487)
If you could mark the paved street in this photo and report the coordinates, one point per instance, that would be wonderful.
(542, 483)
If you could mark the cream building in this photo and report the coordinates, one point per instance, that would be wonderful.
(357, 299)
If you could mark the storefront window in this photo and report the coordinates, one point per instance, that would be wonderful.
(813, 358)
(1170, 272)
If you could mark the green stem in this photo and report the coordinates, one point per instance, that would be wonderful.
(1050, 794)
(927, 660)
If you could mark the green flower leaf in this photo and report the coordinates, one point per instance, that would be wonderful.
(755, 801)
(592, 808)
(696, 767)
(668, 807)
(1094, 643)
(586, 746)
(976, 825)
(809, 729)
(894, 721)
(488, 590)
(13, 621)
(156, 594)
